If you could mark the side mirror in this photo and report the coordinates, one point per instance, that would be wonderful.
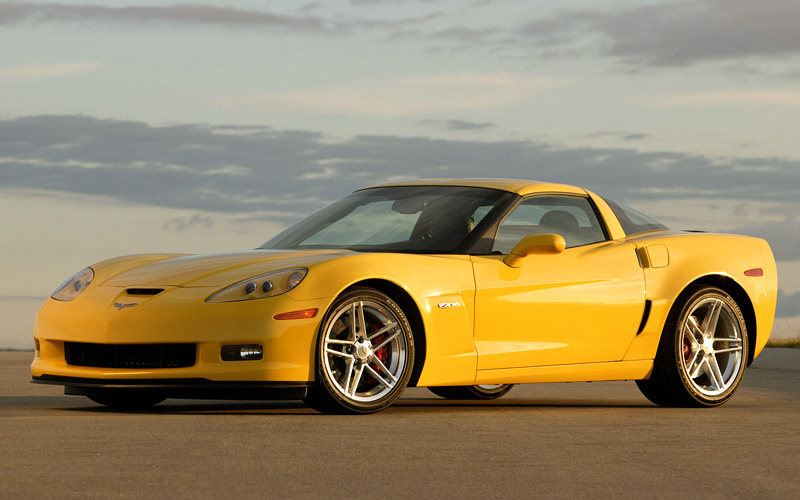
(539, 244)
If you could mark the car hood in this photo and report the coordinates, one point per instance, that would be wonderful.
(218, 270)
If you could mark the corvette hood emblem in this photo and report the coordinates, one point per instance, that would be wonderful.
(120, 305)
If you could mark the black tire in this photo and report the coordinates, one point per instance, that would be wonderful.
(472, 391)
(362, 366)
(703, 352)
(128, 400)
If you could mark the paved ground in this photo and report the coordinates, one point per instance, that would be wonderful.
(599, 440)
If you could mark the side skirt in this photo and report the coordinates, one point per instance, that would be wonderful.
(588, 372)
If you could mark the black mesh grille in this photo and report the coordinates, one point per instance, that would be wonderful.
(130, 356)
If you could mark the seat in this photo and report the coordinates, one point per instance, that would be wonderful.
(563, 223)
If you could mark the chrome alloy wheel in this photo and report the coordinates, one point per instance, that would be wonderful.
(712, 346)
(364, 350)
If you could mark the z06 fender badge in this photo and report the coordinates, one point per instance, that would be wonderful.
(445, 305)
(120, 305)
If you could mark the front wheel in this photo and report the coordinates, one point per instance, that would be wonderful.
(365, 354)
(472, 391)
(703, 352)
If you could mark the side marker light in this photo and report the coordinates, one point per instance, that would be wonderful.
(754, 272)
(304, 314)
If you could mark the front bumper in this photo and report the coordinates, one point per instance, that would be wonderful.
(175, 316)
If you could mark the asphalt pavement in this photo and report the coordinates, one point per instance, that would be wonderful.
(579, 440)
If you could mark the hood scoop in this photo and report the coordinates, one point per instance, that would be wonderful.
(144, 291)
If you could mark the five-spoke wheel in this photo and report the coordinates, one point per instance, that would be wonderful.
(712, 346)
(365, 354)
(703, 352)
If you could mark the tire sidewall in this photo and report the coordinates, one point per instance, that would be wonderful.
(677, 345)
(493, 393)
(327, 390)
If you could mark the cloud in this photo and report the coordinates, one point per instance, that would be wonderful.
(675, 34)
(636, 137)
(390, 2)
(459, 124)
(188, 14)
(181, 224)
(765, 96)
(302, 20)
(32, 72)
(289, 174)
(404, 96)
(665, 33)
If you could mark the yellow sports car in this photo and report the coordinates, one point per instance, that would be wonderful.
(462, 286)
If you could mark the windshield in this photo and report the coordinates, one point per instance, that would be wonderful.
(426, 219)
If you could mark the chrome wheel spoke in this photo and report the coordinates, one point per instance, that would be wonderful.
(711, 319)
(382, 330)
(726, 339)
(339, 342)
(338, 353)
(379, 377)
(714, 372)
(729, 349)
(362, 323)
(353, 321)
(349, 370)
(694, 330)
(351, 390)
(384, 370)
(693, 368)
(388, 339)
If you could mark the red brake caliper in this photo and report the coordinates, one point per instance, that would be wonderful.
(687, 349)
(382, 354)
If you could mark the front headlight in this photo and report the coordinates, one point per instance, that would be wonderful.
(74, 285)
(266, 285)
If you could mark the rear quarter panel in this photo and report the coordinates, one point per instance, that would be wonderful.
(680, 259)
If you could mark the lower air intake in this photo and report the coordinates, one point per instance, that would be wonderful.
(130, 356)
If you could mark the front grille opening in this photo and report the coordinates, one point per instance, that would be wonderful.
(130, 355)
(144, 291)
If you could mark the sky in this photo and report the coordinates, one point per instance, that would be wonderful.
(202, 127)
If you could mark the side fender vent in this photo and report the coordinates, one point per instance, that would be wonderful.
(645, 316)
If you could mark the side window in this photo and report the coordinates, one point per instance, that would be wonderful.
(572, 217)
(633, 221)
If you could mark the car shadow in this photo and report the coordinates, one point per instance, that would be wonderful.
(421, 405)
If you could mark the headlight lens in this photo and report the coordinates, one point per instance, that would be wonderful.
(259, 287)
(74, 285)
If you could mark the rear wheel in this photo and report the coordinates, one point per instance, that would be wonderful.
(703, 352)
(365, 354)
(493, 391)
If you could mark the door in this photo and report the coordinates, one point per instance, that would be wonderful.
(583, 305)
